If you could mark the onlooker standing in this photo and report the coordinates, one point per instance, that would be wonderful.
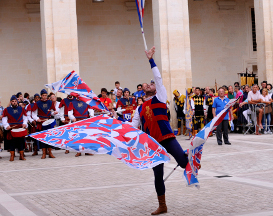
(117, 87)
(118, 95)
(139, 92)
(231, 94)
(218, 105)
(238, 94)
(270, 90)
(264, 85)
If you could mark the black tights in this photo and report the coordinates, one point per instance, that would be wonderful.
(173, 147)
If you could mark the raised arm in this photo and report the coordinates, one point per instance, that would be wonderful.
(161, 92)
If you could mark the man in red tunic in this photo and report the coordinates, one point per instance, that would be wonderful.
(41, 112)
(77, 111)
(152, 115)
(64, 105)
(15, 116)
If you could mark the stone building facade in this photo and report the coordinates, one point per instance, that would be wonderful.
(197, 42)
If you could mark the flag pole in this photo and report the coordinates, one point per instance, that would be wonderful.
(171, 173)
(144, 40)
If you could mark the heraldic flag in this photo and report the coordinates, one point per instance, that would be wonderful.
(197, 143)
(188, 114)
(105, 135)
(73, 85)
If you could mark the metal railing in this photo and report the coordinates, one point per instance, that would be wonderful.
(251, 110)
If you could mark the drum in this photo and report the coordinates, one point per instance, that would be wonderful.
(18, 132)
(51, 123)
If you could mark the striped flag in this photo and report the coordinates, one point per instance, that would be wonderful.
(188, 114)
(73, 85)
(140, 10)
(197, 143)
(105, 135)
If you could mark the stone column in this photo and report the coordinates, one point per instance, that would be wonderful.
(59, 38)
(264, 26)
(172, 42)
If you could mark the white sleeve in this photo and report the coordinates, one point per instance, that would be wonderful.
(56, 116)
(192, 104)
(91, 112)
(161, 92)
(205, 107)
(35, 115)
(5, 122)
(25, 119)
(119, 108)
(136, 120)
(70, 115)
(175, 105)
(61, 112)
(29, 116)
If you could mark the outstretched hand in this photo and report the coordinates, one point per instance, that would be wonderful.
(150, 53)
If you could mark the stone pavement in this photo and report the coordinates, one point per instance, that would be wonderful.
(102, 185)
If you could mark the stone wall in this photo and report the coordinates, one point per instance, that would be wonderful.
(111, 46)
(21, 50)
(220, 42)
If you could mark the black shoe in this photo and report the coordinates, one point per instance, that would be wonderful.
(219, 143)
(228, 143)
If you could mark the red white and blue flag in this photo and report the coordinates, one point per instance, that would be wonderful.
(73, 85)
(188, 114)
(105, 135)
(197, 143)
(140, 10)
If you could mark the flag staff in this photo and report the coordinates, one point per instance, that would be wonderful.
(140, 10)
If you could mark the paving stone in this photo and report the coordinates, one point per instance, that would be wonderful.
(102, 185)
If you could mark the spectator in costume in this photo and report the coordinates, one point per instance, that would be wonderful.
(127, 103)
(179, 107)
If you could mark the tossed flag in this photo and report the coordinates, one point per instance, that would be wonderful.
(105, 135)
(197, 143)
(73, 85)
(140, 10)
(188, 114)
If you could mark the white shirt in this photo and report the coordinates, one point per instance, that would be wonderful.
(266, 98)
(29, 114)
(252, 96)
(58, 115)
(116, 90)
(71, 116)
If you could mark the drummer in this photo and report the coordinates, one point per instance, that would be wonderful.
(41, 112)
(77, 111)
(15, 116)
(63, 110)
